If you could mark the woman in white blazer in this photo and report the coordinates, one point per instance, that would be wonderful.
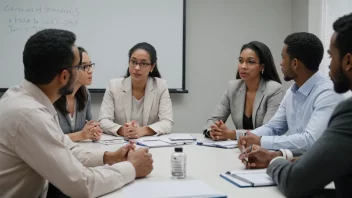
(252, 99)
(138, 104)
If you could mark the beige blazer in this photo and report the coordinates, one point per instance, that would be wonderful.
(116, 107)
(267, 101)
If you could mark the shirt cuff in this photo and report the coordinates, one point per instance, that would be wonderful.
(279, 157)
(127, 169)
(267, 142)
(206, 133)
(97, 157)
(289, 155)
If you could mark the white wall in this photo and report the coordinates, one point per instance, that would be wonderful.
(215, 32)
(299, 15)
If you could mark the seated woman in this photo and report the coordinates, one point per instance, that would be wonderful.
(138, 104)
(74, 111)
(252, 99)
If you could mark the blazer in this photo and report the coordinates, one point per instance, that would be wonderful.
(329, 159)
(116, 107)
(267, 101)
(80, 116)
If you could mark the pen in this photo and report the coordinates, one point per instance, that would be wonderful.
(240, 178)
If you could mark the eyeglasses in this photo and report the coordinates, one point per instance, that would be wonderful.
(78, 67)
(134, 63)
(87, 67)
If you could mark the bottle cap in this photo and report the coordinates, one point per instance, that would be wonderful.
(178, 149)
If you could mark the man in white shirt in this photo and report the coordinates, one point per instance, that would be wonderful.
(33, 149)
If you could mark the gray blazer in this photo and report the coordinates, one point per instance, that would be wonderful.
(116, 107)
(329, 159)
(267, 101)
(80, 116)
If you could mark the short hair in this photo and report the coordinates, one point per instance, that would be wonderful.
(265, 57)
(81, 94)
(343, 27)
(46, 54)
(153, 57)
(307, 48)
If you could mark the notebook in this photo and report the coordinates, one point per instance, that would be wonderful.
(249, 178)
(170, 189)
(109, 139)
(229, 144)
(154, 143)
(181, 137)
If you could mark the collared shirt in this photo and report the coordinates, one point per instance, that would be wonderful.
(303, 115)
(34, 149)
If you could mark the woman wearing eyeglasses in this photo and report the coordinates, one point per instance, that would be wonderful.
(138, 104)
(74, 110)
(252, 99)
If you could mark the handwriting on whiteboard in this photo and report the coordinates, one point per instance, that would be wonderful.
(34, 19)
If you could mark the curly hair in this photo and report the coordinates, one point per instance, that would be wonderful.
(343, 27)
(305, 47)
(47, 53)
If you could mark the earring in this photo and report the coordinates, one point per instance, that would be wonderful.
(262, 72)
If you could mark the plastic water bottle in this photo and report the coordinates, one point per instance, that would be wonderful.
(178, 164)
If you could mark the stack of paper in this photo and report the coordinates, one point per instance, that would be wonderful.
(170, 189)
(109, 139)
(219, 144)
(181, 137)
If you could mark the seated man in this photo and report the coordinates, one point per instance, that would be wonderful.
(33, 147)
(330, 157)
(306, 107)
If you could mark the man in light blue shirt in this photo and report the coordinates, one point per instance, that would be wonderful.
(305, 110)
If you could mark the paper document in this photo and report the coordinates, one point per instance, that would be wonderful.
(153, 143)
(249, 178)
(220, 144)
(176, 137)
(170, 189)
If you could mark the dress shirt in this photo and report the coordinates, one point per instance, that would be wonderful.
(303, 115)
(34, 149)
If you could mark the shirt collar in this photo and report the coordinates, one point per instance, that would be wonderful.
(39, 95)
(307, 87)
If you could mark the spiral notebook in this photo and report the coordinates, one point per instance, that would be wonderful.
(248, 178)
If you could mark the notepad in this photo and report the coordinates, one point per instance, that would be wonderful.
(109, 139)
(154, 143)
(170, 189)
(249, 178)
(230, 144)
(181, 137)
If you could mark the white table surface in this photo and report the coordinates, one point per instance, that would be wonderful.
(203, 163)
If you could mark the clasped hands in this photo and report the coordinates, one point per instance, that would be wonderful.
(92, 130)
(140, 158)
(219, 131)
(131, 130)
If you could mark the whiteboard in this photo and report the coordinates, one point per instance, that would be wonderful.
(107, 29)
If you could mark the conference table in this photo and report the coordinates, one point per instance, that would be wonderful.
(203, 163)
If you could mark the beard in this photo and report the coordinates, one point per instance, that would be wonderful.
(287, 76)
(341, 82)
(68, 88)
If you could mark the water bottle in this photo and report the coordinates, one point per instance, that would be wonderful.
(178, 164)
